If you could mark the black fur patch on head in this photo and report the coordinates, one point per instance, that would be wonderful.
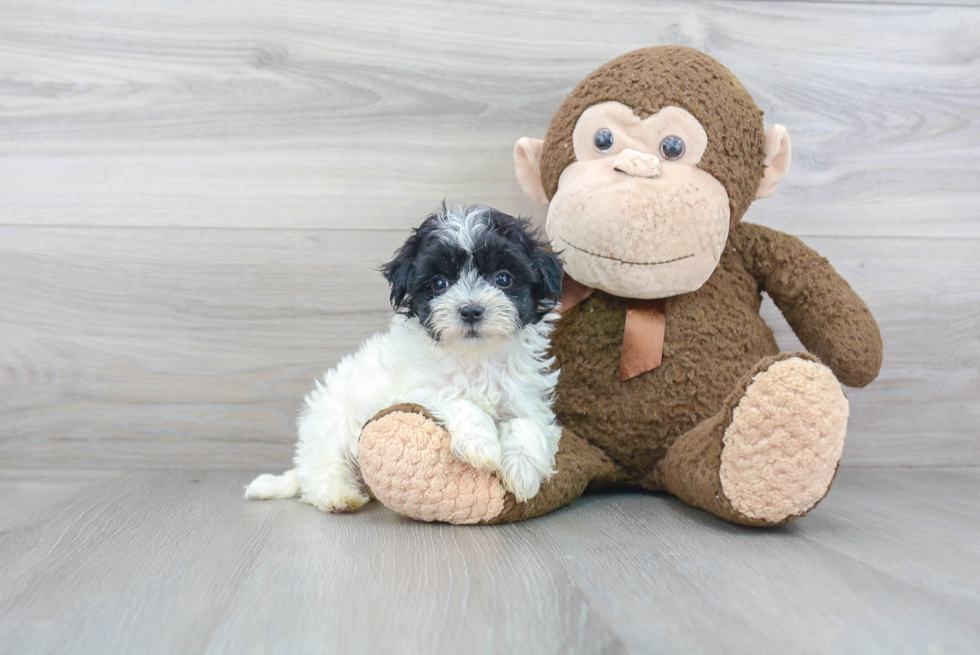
(485, 240)
(513, 245)
(401, 270)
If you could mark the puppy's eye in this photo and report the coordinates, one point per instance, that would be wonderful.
(439, 284)
(672, 147)
(503, 279)
(603, 139)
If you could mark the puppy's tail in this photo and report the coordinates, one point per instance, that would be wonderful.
(266, 486)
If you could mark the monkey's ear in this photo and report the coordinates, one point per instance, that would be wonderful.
(778, 155)
(527, 165)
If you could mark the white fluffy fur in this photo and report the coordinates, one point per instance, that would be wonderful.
(494, 401)
(461, 225)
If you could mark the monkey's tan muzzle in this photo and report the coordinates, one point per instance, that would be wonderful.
(637, 164)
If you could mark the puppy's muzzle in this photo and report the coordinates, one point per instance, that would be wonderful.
(471, 314)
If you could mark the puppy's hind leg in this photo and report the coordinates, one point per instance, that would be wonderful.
(326, 455)
(331, 485)
(267, 486)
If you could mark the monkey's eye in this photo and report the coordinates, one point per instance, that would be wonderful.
(603, 139)
(672, 147)
(503, 280)
(439, 284)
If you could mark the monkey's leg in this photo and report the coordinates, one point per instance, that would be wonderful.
(771, 453)
(406, 462)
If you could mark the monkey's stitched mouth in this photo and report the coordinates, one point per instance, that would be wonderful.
(623, 261)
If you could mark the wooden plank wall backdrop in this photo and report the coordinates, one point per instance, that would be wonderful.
(194, 196)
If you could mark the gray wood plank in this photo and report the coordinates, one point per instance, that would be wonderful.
(122, 337)
(176, 561)
(28, 496)
(781, 590)
(113, 565)
(935, 3)
(24, 491)
(123, 347)
(360, 114)
(867, 506)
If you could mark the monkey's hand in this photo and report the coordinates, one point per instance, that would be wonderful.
(824, 312)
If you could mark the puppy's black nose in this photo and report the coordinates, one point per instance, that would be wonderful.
(471, 313)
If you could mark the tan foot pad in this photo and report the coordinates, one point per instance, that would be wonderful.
(405, 460)
(785, 440)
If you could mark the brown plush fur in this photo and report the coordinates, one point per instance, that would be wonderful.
(664, 429)
(713, 336)
(826, 314)
(580, 466)
(715, 342)
(636, 421)
(653, 78)
(690, 469)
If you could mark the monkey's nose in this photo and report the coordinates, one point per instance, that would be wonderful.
(637, 164)
(471, 313)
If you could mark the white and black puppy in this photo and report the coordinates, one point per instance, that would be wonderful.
(475, 291)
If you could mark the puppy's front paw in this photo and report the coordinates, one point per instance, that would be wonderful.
(528, 456)
(520, 476)
(478, 448)
(336, 498)
(473, 436)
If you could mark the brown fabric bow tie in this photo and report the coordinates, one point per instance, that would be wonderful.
(643, 337)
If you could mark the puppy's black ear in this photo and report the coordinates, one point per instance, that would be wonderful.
(547, 265)
(399, 272)
(548, 288)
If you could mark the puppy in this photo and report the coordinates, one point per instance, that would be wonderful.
(474, 290)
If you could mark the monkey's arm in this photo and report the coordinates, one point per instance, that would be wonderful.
(824, 312)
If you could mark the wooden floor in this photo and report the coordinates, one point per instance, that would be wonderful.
(176, 562)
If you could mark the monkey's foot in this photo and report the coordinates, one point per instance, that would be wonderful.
(784, 442)
(770, 454)
(406, 461)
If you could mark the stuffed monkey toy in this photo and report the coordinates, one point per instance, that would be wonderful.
(670, 379)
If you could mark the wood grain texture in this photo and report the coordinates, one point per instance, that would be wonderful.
(938, 3)
(175, 561)
(138, 347)
(362, 114)
(157, 347)
(194, 196)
